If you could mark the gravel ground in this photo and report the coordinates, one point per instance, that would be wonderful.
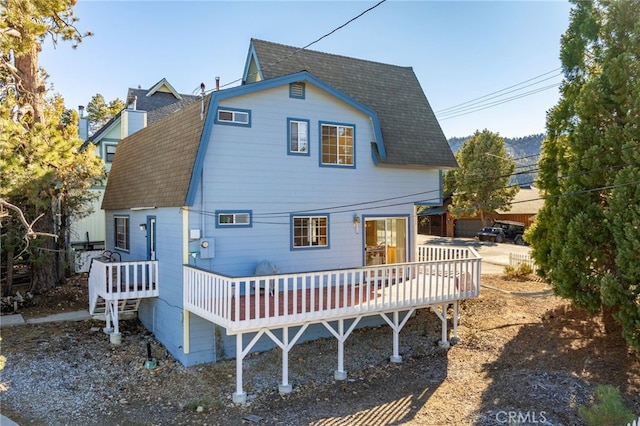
(531, 355)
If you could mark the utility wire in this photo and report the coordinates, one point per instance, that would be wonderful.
(471, 110)
(302, 48)
(498, 91)
(374, 204)
(483, 99)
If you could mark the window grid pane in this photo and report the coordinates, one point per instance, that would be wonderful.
(337, 145)
(310, 231)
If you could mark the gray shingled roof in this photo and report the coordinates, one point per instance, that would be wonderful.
(411, 133)
(157, 106)
(153, 167)
(160, 104)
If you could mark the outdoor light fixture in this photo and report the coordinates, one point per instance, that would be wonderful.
(143, 226)
(356, 222)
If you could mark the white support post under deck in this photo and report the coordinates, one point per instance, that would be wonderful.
(239, 397)
(455, 322)
(285, 344)
(442, 314)
(397, 326)
(341, 336)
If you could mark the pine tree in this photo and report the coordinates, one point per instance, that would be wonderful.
(586, 238)
(43, 173)
(481, 182)
(99, 112)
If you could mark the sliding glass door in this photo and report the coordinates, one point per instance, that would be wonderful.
(385, 240)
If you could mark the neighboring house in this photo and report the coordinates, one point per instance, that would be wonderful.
(315, 163)
(438, 221)
(144, 107)
(524, 207)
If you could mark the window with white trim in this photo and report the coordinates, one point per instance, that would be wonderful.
(298, 131)
(337, 144)
(121, 226)
(233, 116)
(233, 219)
(310, 231)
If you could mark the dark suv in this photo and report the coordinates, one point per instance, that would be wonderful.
(490, 233)
(512, 230)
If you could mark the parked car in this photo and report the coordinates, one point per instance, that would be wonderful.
(491, 233)
(512, 230)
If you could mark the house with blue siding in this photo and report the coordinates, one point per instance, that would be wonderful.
(316, 162)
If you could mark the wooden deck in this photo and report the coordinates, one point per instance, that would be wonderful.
(440, 277)
(118, 287)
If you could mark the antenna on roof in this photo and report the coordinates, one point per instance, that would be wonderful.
(202, 101)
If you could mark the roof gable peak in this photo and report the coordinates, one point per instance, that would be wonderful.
(165, 87)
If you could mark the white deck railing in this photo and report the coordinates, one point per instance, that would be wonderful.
(122, 280)
(440, 275)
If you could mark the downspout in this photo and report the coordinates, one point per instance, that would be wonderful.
(185, 260)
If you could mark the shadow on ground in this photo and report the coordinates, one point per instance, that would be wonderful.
(566, 356)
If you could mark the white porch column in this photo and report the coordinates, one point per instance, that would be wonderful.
(108, 329)
(285, 387)
(396, 340)
(340, 374)
(444, 342)
(455, 321)
(341, 335)
(239, 397)
(115, 337)
(397, 325)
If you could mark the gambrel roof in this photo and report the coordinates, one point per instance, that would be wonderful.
(159, 166)
(410, 131)
(153, 167)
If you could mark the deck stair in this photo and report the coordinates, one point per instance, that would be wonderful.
(116, 289)
(127, 308)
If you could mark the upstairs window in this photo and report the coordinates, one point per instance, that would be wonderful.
(233, 219)
(239, 117)
(298, 132)
(310, 231)
(297, 90)
(121, 225)
(110, 153)
(337, 143)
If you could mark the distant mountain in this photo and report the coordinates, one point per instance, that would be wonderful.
(525, 150)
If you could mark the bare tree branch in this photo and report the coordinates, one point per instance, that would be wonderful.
(30, 234)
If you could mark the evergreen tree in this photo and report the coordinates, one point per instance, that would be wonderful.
(43, 174)
(481, 181)
(586, 238)
(99, 112)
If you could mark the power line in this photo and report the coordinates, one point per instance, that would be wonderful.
(505, 90)
(471, 110)
(304, 47)
(480, 103)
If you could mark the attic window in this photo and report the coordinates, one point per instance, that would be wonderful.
(297, 90)
(239, 117)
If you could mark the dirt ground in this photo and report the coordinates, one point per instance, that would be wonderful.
(524, 356)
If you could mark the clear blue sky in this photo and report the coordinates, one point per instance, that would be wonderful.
(459, 51)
